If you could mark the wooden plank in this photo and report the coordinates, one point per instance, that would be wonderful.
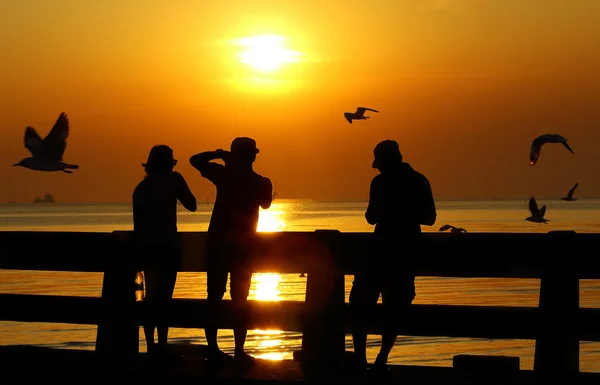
(421, 320)
(29, 363)
(500, 255)
(49, 308)
(56, 251)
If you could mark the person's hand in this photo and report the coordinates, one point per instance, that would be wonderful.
(222, 153)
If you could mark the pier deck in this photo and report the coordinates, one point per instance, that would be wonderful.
(557, 325)
(25, 364)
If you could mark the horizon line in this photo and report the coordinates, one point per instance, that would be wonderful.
(353, 200)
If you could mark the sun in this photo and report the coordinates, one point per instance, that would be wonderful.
(266, 53)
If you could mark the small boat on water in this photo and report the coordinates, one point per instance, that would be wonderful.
(46, 199)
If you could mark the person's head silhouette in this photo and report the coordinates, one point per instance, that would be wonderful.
(160, 160)
(242, 152)
(387, 155)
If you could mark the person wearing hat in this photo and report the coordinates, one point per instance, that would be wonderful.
(231, 233)
(156, 239)
(400, 201)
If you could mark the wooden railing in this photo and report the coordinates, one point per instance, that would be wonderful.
(559, 259)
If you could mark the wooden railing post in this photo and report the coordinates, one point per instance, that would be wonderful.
(557, 349)
(117, 338)
(323, 338)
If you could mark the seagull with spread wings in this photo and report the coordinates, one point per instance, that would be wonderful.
(537, 213)
(453, 229)
(47, 154)
(358, 115)
(569, 196)
(536, 146)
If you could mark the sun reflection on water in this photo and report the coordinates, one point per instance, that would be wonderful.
(270, 220)
(266, 287)
(271, 344)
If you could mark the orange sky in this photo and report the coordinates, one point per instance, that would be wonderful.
(463, 85)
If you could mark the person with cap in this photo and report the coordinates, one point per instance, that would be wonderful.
(400, 201)
(231, 235)
(156, 239)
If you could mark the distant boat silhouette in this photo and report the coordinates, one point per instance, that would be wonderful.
(46, 199)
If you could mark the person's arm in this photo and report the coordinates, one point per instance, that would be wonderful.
(373, 213)
(428, 212)
(184, 194)
(266, 193)
(208, 169)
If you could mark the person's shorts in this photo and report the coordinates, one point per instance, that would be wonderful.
(160, 264)
(396, 290)
(158, 256)
(231, 258)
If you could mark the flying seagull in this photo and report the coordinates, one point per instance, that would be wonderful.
(358, 115)
(453, 229)
(47, 153)
(536, 145)
(537, 214)
(569, 196)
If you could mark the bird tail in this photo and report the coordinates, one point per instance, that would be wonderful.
(73, 166)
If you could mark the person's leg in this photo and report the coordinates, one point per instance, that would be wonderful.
(167, 280)
(240, 282)
(397, 297)
(150, 278)
(363, 296)
(216, 284)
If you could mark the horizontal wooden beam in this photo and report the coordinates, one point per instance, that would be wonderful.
(421, 320)
(493, 255)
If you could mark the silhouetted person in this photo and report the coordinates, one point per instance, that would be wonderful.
(156, 238)
(231, 233)
(400, 201)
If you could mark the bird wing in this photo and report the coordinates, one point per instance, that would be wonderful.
(536, 148)
(361, 110)
(533, 207)
(446, 227)
(572, 190)
(543, 211)
(33, 141)
(56, 141)
(348, 117)
(564, 143)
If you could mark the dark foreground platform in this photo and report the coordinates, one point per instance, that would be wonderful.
(28, 364)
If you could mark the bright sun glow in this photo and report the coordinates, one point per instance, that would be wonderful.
(266, 53)
(267, 286)
(270, 220)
